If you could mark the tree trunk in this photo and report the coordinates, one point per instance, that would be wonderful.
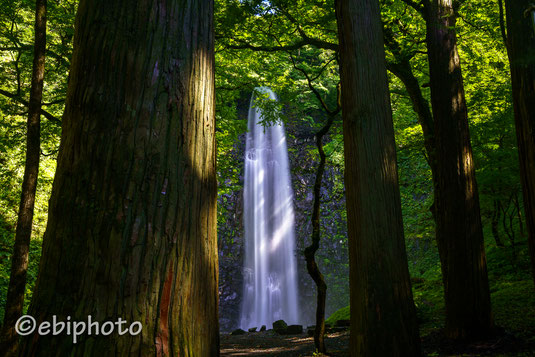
(383, 317)
(131, 231)
(519, 214)
(310, 251)
(459, 229)
(495, 221)
(520, 17)
(21, 248)
(402, 69)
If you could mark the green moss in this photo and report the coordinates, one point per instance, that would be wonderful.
(340, 314)
(513, 304)
(429, 301)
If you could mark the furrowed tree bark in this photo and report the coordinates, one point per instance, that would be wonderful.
(21, 248)
(520, 18)
(131, 232)
(383, 317)
(459, 229)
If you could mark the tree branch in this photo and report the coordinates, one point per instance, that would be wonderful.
(314, 90)
(295, 46)
(18, 99)
(502, 22)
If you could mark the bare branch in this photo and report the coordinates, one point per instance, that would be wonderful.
(17, 99)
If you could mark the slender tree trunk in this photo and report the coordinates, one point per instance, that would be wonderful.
(131, 232)
(459, 229)
(21, 248)
(495, 221)
(310, 251)
(520, 17)
(519, 214)
(402, 69)
(383, 317)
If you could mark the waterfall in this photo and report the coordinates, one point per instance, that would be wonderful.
(270, 282)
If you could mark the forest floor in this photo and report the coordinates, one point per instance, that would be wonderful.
(269, 343)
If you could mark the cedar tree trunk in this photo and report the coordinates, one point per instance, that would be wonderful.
(459, 229)
(521, 50)
(131, 231)
(21, 248)
(383, 317)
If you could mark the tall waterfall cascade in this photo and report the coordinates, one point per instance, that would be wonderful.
(270, 274)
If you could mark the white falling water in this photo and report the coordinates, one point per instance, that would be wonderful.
(270, 284)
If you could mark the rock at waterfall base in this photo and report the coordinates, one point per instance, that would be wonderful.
(342, 323)
(238, 331)
(294, 330)
(280, 327)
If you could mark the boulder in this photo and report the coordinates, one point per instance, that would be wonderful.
(294, 330)
(337, 329)
(263, 328)
(252, 329)
(342, 323)
(280, 327)
(238, 331)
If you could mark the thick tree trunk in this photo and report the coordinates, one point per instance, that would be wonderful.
(459, 230)
(383, 317)
(21, 248)
(132, 219)
(520, 15)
